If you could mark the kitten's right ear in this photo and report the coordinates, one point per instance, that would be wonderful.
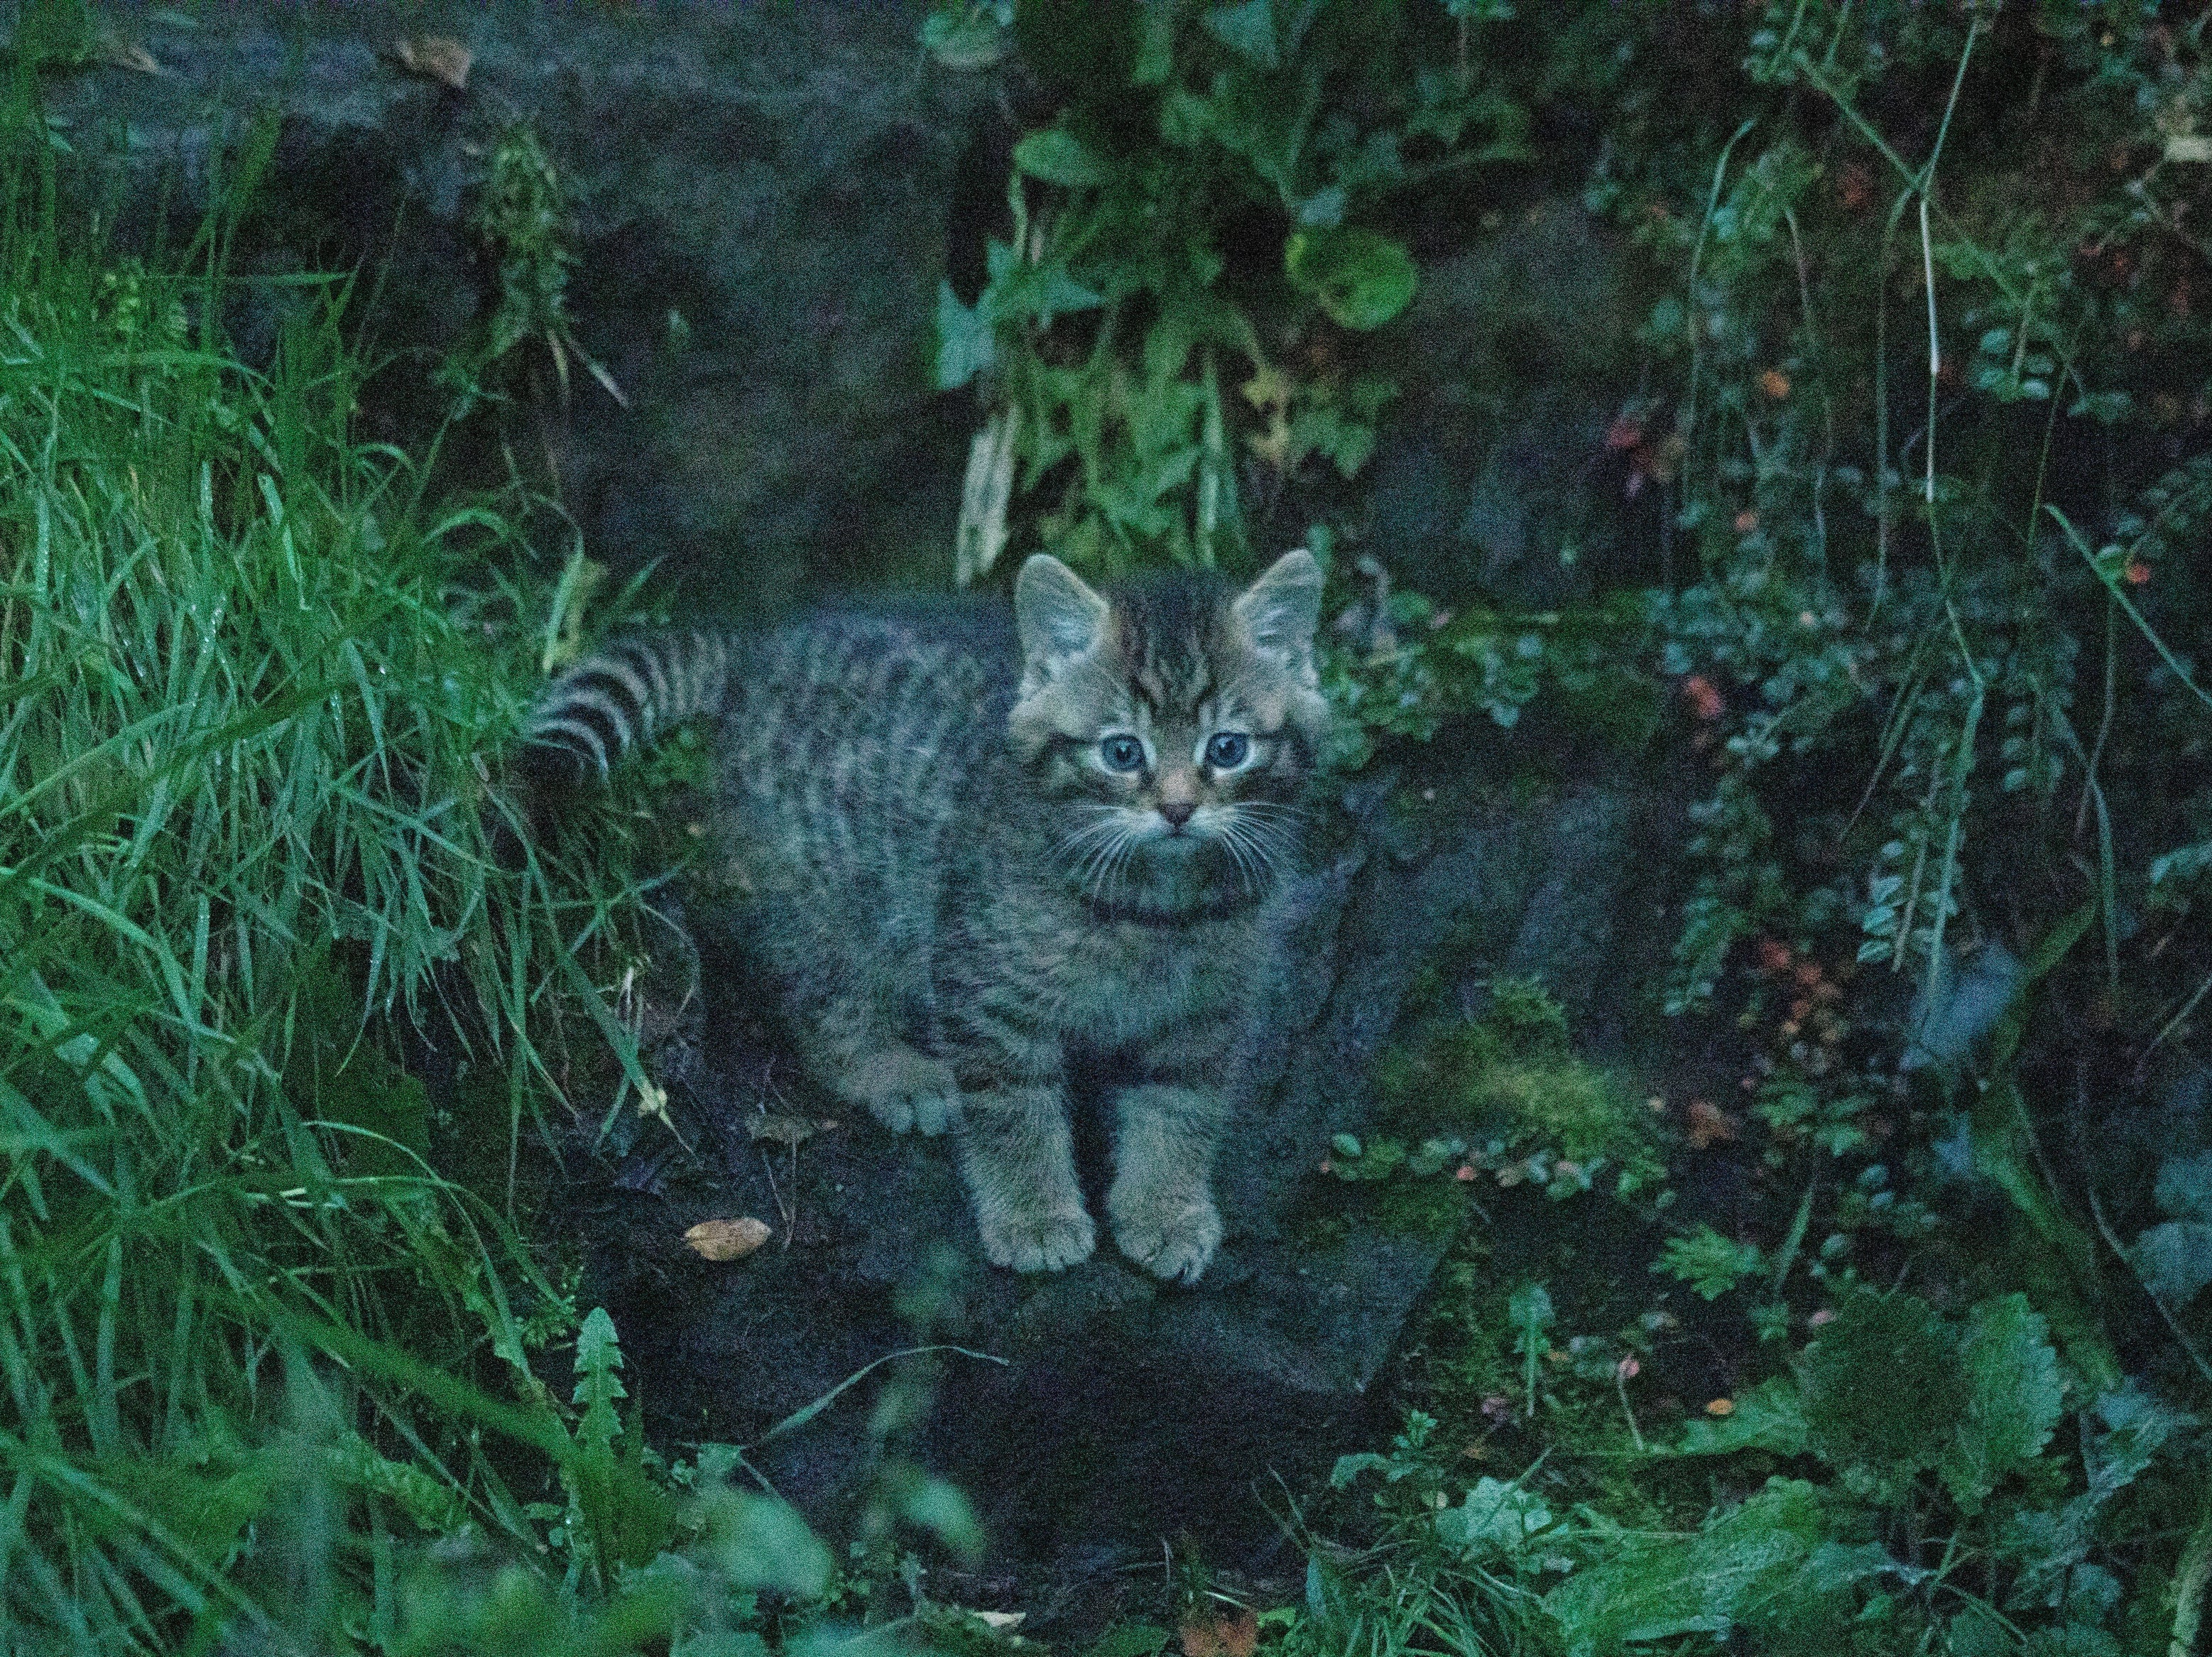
(1058, 617)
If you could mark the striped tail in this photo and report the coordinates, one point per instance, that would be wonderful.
(622, 696)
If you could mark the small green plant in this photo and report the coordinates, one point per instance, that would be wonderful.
(522, 219)
(1144, 384)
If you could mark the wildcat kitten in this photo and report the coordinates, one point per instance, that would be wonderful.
(964, 865)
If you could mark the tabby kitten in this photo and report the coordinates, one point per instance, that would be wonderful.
(967, 866)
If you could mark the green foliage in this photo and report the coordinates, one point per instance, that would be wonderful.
(259, 1350)
(522, 219)
(1145, 383)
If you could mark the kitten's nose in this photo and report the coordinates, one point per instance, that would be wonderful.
(1177, 811)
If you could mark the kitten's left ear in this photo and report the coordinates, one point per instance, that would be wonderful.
(1057, 616)
(1281, 609)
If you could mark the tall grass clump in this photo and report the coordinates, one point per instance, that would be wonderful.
(249, 841)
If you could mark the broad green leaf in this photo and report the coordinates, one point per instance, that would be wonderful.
(759, 1542)
(1362, 278)
(2174, 1260)
(1248, 30)
(965, 344)
(1131, 1639)
(1762, 1564)
(1058, 157)
(2184, 1186)
(1771, 1416)
(1496, 1518)
(2015, 1398)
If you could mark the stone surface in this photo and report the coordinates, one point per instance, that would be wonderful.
(761, 197)
(1124, 1411)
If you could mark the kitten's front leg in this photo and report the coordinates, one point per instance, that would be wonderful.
(1161, 1201)
(1018, 1158)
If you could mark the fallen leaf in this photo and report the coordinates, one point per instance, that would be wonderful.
(1774, 383)
(727, 1240)
(1721, 1407)
(1709, 1123)
(794, 1130)
(1234, 1633)
(436, 57)
(117, 52)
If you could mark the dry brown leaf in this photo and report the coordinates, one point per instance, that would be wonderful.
(727, 1240)
(436, 57)
(117, 52)
(1233, 1632)
(1709, 1123)
(794, 1130)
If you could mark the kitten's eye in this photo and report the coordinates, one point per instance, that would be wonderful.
(1122, 753)
(1227, 749)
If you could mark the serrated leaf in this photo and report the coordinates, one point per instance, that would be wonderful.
(1752, 1566)
(599, 1355)
(1058, 157)
(2015, 1398)
(1362, 278)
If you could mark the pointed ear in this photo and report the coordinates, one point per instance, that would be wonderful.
(1057, 616)
(1280, 611)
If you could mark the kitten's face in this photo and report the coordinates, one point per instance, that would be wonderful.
(1169, 728)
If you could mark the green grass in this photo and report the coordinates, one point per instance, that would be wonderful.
(248, 838)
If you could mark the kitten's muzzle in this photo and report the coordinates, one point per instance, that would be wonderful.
(1177, 813)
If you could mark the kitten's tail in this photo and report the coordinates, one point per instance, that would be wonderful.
(621, 696)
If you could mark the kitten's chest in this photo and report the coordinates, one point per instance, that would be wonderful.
(1116, 986)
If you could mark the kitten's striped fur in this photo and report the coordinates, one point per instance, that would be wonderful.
(966, 860)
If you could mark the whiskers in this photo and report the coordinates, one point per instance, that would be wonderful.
(1098, 851)
(1260, 836)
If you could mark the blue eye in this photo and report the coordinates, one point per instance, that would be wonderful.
(1122, 753)
(1227, 749)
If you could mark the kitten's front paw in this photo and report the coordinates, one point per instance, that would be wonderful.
(1049, 1242)
(1172, 1245)
(903, 1089)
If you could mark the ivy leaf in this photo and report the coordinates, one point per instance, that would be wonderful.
(2015, 1398)
(1058, 157)
(1362, 278)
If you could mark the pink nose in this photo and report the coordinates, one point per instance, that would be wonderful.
(1177, 811)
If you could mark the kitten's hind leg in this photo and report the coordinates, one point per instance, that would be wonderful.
(1161, 1201)
(900, 1087)
(1017, 1159)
